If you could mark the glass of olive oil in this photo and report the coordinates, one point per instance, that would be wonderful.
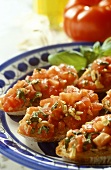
(53, 9)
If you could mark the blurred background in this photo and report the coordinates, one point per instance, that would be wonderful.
(22, 29)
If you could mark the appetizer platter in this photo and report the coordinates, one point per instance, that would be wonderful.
(55, 105)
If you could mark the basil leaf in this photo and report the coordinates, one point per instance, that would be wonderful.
(88, 53)
(106, 47)
(73, 58)
(82, 59)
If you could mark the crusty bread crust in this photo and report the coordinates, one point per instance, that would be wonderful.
(38, 139)
(100, 156)
(56, 136)
(17, 113)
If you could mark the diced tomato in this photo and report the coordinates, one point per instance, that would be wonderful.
(98, 76)
(80, 106)
(11, 103)
(107, 130)
(102, 139)
(86, 101)
(61, 126)
(50, 101)
(72, 123)
(96, 106)
(98, 125)
(88, 127)
(38, 74)
(70, 98)
(93, 97)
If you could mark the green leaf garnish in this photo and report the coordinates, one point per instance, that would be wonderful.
(69, 58)
(83, 58)
(37, 95)
(21, 94)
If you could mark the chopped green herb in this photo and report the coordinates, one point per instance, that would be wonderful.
(38, 69)
(34, 119)
(28, 122)
(77, 133)
(54, 106)
(85, 144)
(37, 96)
(21, 94)
(67, 140)
(36, 113)
(69, 72)
(35, 116)
(43, 128)
(89, 137)
(104, 63)
(28, 81)
(35, 81)
(32, 130)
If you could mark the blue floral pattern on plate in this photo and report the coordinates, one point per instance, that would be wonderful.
(31, 154)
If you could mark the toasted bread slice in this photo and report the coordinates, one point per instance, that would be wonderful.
(56, 115)
(92, 157)
(90, 144)
(97, 76)
(40, 85)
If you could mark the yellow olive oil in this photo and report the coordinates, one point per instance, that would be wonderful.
(53, 9)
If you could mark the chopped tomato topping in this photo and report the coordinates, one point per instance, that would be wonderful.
(98, 76)
(40, 85)
(68, 110)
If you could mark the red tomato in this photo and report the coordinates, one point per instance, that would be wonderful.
(88, 20)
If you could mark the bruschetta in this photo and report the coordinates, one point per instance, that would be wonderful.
(40, 85)
(56, 115)
(91, 144)
(97, 76)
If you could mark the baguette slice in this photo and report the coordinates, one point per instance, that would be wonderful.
(92, 157)
(40, 85)
(97, 76)
(56, 115)
(89, 145)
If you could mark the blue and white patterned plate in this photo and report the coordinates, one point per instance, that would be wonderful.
(40, 156)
